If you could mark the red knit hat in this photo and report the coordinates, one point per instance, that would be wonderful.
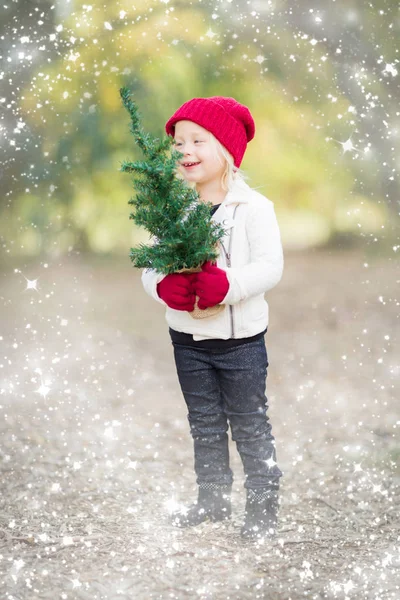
(230, 122)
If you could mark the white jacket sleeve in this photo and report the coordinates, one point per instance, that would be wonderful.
(150, 279)
(265, 268)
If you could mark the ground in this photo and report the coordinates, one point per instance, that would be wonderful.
(95, 442)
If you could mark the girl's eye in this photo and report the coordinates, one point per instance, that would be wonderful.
(195, 141)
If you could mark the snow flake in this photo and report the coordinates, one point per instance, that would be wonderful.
(335, 587)
(67, 540)
(307, 573)
(387, 560)
(348, 586)
(347, 146)
(43, 390)
(171, 505)
(72, 57)
(270, 462)
(18, 564)
(389, 68)
(109, 433)
(31, 284)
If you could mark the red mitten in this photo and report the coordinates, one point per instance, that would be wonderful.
(211, 285)
(176, 290)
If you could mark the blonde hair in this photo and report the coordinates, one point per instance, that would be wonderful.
(231, 172)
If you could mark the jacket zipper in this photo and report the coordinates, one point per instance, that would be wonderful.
(228, 262)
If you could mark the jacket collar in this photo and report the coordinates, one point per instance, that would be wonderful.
(238, 194)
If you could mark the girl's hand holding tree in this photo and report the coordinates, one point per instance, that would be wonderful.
(177, 292)
(211, 285)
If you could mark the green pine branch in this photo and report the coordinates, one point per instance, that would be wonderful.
(180, 223)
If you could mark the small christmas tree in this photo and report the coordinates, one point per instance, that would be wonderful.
(184, 235)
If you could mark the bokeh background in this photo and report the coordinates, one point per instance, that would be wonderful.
(95, 447)
(321, 79)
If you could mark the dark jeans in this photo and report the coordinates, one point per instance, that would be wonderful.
(221, 386)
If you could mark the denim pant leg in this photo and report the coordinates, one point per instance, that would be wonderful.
(208, 423)
(242, 374)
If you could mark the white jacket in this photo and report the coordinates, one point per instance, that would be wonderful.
(251, 254)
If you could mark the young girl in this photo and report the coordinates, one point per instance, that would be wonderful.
(222, 360)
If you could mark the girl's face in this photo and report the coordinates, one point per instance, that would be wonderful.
(199, 163)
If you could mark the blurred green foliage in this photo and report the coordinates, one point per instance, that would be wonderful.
(167, 54)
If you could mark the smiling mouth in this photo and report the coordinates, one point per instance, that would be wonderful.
(190, 164)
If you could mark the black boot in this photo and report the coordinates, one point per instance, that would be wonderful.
(260, 514)
(213, 503)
